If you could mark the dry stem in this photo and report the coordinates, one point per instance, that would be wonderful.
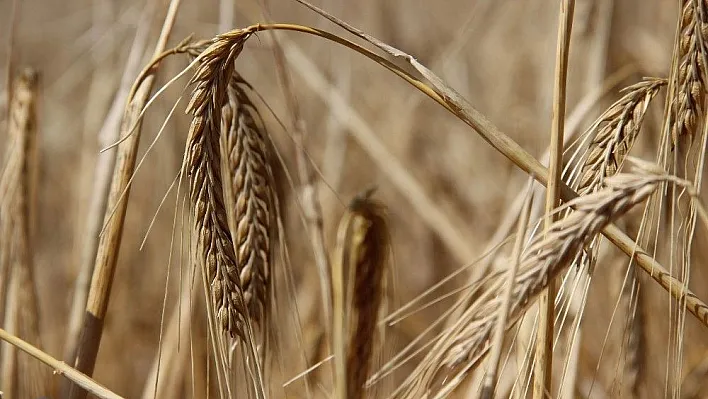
(61, 368)
(108, 134)
(543, 365)
(108, 247)
(490, 379)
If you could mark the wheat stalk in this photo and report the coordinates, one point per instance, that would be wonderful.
(543, 367)
(100, 180)
(60, 367)
(357, 285)
(109, 242)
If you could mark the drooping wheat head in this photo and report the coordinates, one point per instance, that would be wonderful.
(467, 341)
(617, 130)
(215, 245)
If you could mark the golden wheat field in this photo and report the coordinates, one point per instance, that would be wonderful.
(371, 199)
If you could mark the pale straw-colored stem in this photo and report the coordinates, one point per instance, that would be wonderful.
(543, 364)
(101, 179)
(490, 379)
(61, 368)
(109, 243)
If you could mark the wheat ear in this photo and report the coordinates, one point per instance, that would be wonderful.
(253, 210)
(233, 202)
(249, 189)
(617, 129)
(467, 341)
(358, 270)
(232, 190)
(215, 248)
(691, 84)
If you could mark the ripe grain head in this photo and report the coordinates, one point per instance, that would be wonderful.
(215, 247)
(357, 288)
(250, 194)
(617, 129)
(465, 343)
(691, 58)
(365, 260)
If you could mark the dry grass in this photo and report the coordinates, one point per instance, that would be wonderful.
(416, 301)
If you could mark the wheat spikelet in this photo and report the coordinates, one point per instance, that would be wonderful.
(215, 246)
(691, 84)
(362, 244)
(249, 190)
(617, 129)
(467, 341)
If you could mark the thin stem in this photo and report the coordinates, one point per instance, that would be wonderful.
(72, 374)
(312, 208)
(543, 365)
(109, 243)
(105, 163)
(490, 379)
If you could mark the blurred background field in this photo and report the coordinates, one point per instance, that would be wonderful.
(498, 54)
